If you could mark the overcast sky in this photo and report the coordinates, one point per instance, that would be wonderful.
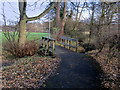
(12, 11)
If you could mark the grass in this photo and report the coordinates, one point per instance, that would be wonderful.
(30, 36)
(33, 35)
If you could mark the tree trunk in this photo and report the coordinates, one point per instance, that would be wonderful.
(58, 14)
(22, 22)
(22, 30)
(63, 20)
(91, 22)
(62, 28)
(58, 19)
(62, 23)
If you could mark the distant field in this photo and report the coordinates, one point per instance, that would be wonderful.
(30, 36)
(33, 35)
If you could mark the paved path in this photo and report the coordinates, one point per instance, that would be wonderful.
(76, 70)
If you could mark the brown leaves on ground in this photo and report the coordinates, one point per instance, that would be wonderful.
(110, 67)
(28, 72)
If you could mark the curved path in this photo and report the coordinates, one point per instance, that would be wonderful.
(76, 70)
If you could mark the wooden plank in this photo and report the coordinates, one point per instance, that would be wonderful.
(67, 45)
(67, 38)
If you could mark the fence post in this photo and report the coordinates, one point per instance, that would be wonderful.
(43, 42)
(70, 44)
(64, 42)
(53, 47)
(76, 45)
(49, 45)
(60, 41)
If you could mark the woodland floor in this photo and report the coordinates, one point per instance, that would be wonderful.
(29, 72)
(110, 68)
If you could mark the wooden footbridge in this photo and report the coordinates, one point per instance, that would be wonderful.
(66, 42)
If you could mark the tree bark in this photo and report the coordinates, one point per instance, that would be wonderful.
(22, 30)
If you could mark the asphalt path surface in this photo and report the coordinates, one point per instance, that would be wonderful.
(76, 70)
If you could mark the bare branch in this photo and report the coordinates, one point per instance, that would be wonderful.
(42, 14)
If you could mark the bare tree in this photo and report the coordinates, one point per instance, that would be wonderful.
(92, 20)
(76, 6)
(60, 20)
(3, 14)
(63, 20)
(7, 26)
(24, 19)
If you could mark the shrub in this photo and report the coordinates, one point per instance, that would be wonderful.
(110, 41)
(30, 48)
(89, 47)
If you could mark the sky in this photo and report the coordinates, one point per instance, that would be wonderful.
(12, 10)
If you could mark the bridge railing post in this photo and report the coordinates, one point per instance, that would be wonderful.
(49, 43)
(77, 46)
(53, 47)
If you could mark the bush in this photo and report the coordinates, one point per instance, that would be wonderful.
(89, 47)
(110, 41)
(30, 48)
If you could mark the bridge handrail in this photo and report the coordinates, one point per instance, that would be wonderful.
(68, 38)
(48, 38)
(68, 42)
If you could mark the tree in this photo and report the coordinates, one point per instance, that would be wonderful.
(24, 19)
(92, 20)
(76, 7)
(63, 20)
(60, 20)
